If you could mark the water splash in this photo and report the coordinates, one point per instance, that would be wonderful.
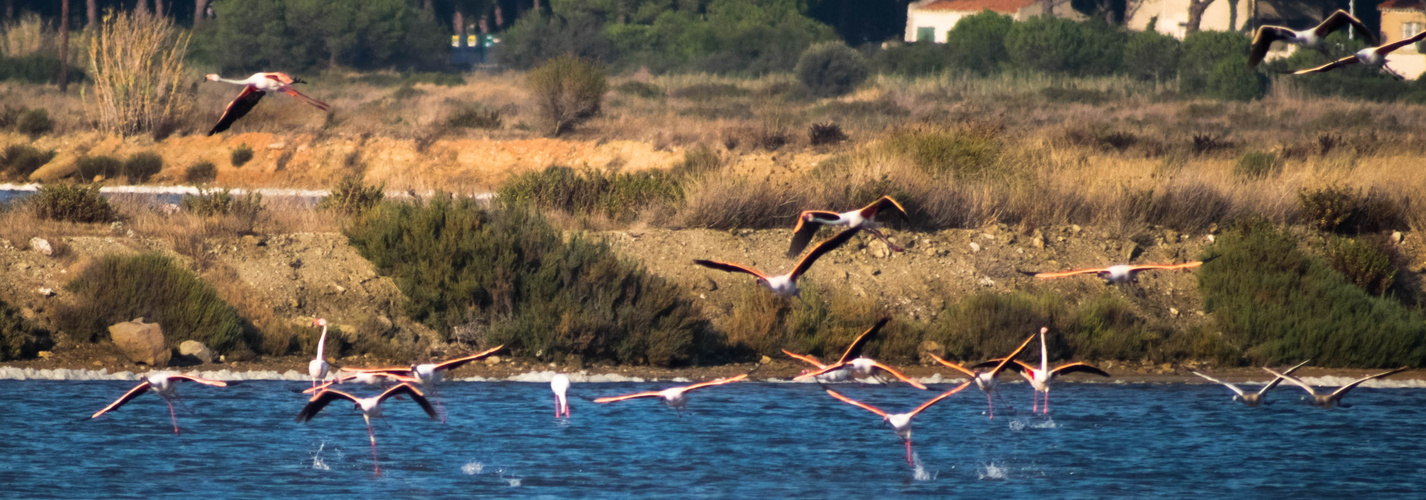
(991, 472)
(317, 462)
(472, 468)
(1049, 423)
(1017, 425)
(514, 482)
(918, 471)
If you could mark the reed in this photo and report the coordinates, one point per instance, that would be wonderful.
(139, 70)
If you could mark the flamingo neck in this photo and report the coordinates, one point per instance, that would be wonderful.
(322, 342)
(1044, 355)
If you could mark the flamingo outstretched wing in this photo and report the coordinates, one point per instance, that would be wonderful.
(856, 403)
(804, 231)
(1352, 59)
(1062, 274)
(812, 360)
(1166, 267)
(1232, 387)
(320, 401)
(1391, 47)
(899, 376)
(240, 107)
(720, 381)
(943, 395)
(854, 350)
(1278, 380)
(304, 98)
(954, 366)
(1342, 391)
(1078, 367)
(822, 248)
(204, 381)
(1342, 19)
(458, 362)
(646, 394)
(1263, 40)
(1294, 381)
(128, 396)
(732, 268)
(415, 395)
(884, 203)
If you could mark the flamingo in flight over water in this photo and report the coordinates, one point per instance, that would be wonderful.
(370, 407)
(318, 366)
(1335, 398)
(1253, 399)
(163, 384)
(1370, 56)
(674, 397)
(369, 378)
(429, 374)
(810, 220)
(1040, 378)
(852, 362)
(785, 285)
(987, 381)
(1311, 38)
(900, 422)
(1116, 274)
(559, 384)
(254, 87)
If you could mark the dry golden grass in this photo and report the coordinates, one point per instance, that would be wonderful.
(138, 69)
(26, 35)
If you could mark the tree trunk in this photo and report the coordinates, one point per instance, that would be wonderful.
(142, 8)
(9, 9)
(458, 22)
(537, 6)
(91, 11)
(1195, 15)
(63, 45)
(485, 24)
(499, 18)
(1048, 7)
(198, 7)
(158, 8)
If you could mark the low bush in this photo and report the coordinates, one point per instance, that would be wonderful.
(222, 202)
(697, 161)
(71, 203)
(825, 133)
(987, 325)
(1363, 263)
(822, 322)
(142, 166)
(639, 89)
(831, 69)
(36, 69)
(352, 196)
(476, 117)
(20, 338)
(200, 172)
(34, 123)
(90, 168)
(567, 90)
(1056, 45)
(1257, 165)
(977, 42)
(709, 91)
(1202, 52)
(962, 152)
(240, 155)
(1232, 80)
(1152, 56)
(1106, 327)
(912, 59)
(619, 196)
(150, 286)
(1349, 211)
(18, 161)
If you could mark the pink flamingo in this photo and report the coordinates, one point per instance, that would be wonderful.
(254, 87)
(163, 384)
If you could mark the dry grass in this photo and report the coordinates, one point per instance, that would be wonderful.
(138, 70)
(28, 34)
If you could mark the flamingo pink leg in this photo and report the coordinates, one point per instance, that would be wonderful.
(372, 434)
(990, 404)
(172, 416)
(908, 454)
(1047, 402)
(1035, 407)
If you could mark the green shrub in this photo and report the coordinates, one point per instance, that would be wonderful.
(142, 166)
(537, 38)
(1057, 45)
(1349, 211)
(200, 172)
(34, 123)
(20, 338)
(618, 196)
(475, 117)
(1152, 56)
(507, 277)
(1280, 305)
(221, 202)
(90, 167)
(913, 59)
(639, 89)
(987, 325)
(821, 323)
(1233, 80)
(71, 203)
(1202, 53)
(831, 69)
(36, 69)
(567, 91)
(961, 152)
(352, 196)
(21, 160)
(708, 91)
(150, 286)
(825, 133)
(1257, 165)
(977, 42)
(1105, 327)
(240, 155)
(1363, 263)
(697, 161)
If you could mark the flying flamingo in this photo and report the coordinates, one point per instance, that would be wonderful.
(254, 87)
(674, 397)
(810, 220)
(1335, 398)
(369, 378)
(163, 384)
(370, 407)
(853, 363)
(900, 422)
(1040, 378)
(785, 285)
(1253, 399)
(559, 384)
(1119, 273)
(1370, 56)
(987, 381)
(1311, 38)
(318, 366)
(429, 374)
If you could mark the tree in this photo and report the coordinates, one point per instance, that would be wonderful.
(977, 42)
(63, 46)
(92, 12)
(198, 7)
(1195, 15)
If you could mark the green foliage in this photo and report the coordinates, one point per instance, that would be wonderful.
(715, 36)
(1057, 45)
(240, 155)
(1202, 53)
(986, 325)
(697, 161)
(20, 160)
(912, 59)
(825, 133)
(20, 338)
(352, 196)
(977, 42)
(1106, 327)
(1233, 80)
(639, 89)
(831, 69)
(36, 69)
(301, 34)
(619, 196)
(708, 91)
(89, 167)
(568, 91)
(200, 172)
(1257, 165)
(965, 153)
(537, 37)
(507, 277)
(137, 168)
(142, 166)
(821, 322)
(221, 202)
(1349, 211)
(475, 117)
(71, 203)
(34, 123)
(1280, 305)
(1363, 263)
(120, 288)
(1152, 56)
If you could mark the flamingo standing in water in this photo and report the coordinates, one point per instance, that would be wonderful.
(1252, 399)
(987, 381)
(674, 397)
(254, 87)
(810, 220)
(785, 285)
(1335, 398)
(1116, 274)
(1311, 38)
(559, 384)
(852, 363)
(370, 407)
(318, 366)
(900, 422)
(1040, 378)
(163, 384)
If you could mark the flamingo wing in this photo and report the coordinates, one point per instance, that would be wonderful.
(806, 358)
(854, 350)
(204, 381)
(1352, 59)
(647, 394)
(854, 402)
(884, 203)
(133, 393)
(1077, 367)
(1342, 391)
(415, 394)
(1391, 47)
(458, 362)
(1342, 19)
(240, 107)
(1294, 381)
(943, 395)
(720, 381)
(804, 231)
(1006, 361)
(1062, 274)
(732, 268)
(954, 366)
(321, 400)
(824, 369)
(822, 248)
(1014, 365)
(1263, 40)
(1185, 265)
(304, 98)
(1278, 380)
(898, 375)
(1234, 388)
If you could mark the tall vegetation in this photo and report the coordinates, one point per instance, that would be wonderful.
(139, 70)
(568, 90)
(302, 34)
(831, 69)
(19, 337)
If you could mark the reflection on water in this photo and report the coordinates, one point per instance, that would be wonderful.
(746, 440)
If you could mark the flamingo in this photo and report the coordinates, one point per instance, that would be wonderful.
(850, 366)
(318, 366)
(559, 384)
(370, 407)
(900, 422)
(254, 87)
(674, 397)
(163, 384)
(1335, 398)
(1370, 56)
(1040, 378)
(785, 285)
(429, 374)
(810, 220)
(1311, 38)
(1252, 399)
(1119, 273)
(987, 381)
(369, 378)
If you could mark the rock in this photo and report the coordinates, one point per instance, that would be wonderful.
(928, 348)
(765, 360)
(45, 354)
(974, 247)
(986, 281)
(42, 246)
(878, 249)
(22, 266)
(492, 361)
(1173, 311)
(1396, 237)
(45, 292)
(1074, 228)
(277, 145)
(97, 363)
(253, 241)
(1132, 251)
(1038, 241)
(196, 350)
(141, 342)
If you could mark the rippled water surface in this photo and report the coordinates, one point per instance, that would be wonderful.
(746, 440)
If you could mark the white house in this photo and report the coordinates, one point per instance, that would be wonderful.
(1221, 15)
(929, 20)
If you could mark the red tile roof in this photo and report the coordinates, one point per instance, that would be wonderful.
(1401, 4)
(1001, 6)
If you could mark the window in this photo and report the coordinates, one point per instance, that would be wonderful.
(925, 34)
(1409, 30)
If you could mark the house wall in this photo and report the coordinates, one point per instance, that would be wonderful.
(941, 20)
(1173, 16)
(1391, 24)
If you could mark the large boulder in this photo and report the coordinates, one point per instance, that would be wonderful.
(196, 350)
(141, 342)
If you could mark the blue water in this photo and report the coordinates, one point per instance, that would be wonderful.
(742, 440)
